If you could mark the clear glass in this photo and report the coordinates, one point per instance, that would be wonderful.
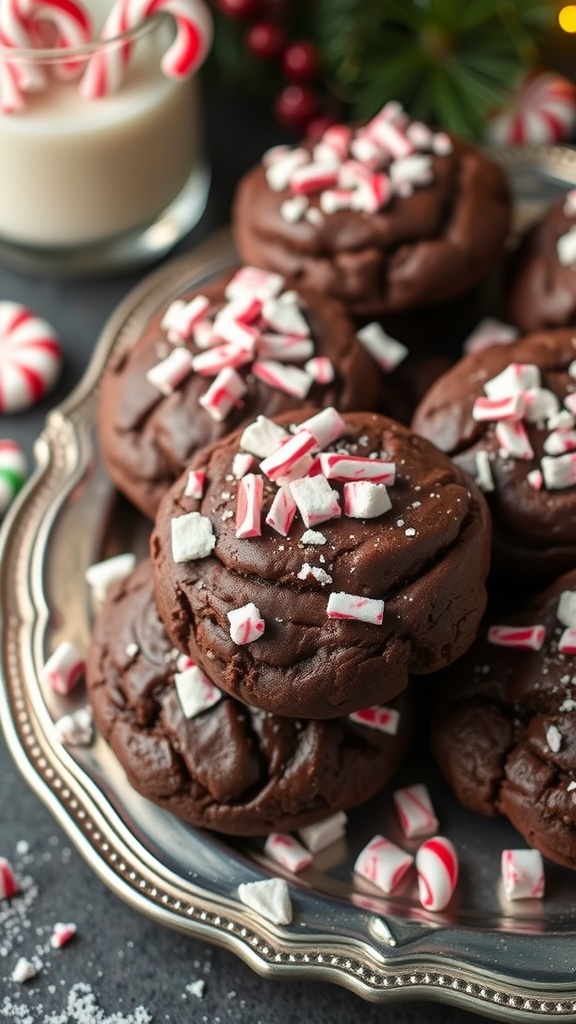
(94, 185)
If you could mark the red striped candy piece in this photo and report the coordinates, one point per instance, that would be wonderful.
(437, 867)
(30, 357)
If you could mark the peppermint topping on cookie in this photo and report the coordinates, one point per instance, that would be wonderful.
(383, 719)
(523, 637)
(195, 690)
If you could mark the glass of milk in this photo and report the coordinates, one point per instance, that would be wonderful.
(97, 185)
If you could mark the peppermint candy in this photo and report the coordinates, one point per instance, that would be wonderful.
(415, 811)
(543, 111)
(437, 867)
(522, 874)
(64, 668)
(287, 851)
(383, 863)
(31, 357)
(13, 470)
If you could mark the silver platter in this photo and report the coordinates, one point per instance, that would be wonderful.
(513, 961)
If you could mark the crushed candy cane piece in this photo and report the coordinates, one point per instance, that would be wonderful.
(209, 363)
(567, 642)
(539, 404)
(195, 484)
(513, 439)
(566, 611)
(75, 729)
(354, 467)
(416, 168)
(312, 537)
(437, 867)
(284, 347)
(351, 606)
(559, 442)
(289, 455)
(316, 500)
(280, 171)
(513, 380)
(180, 319)
(284, 316)
(313, 178)
(535, 479)
(246, 624)
(566, 248)
(383, 863)
(241, 336)
(282, 511)
(554, 738)
(242, 463)
(223, 394)
(23, 970)
(8, 884)
(490, 332)
(524, 637)
(262, 437)
(102, 575)
(484, 479)
(290, 379)
(168, 374)
(64, 668)
(257, 283)
(287, 851)
(249, 506)
(314, 571)
(270, 898)
(381, 718)
(321, 369)
(324, 833)
(522, 874)
(488, 409)
(196, 692)
(192, 537)
(365, 500)
(292, 210)
(559, 472)
(326, 426)
(415, 811)
(61, 934)
(386, 351)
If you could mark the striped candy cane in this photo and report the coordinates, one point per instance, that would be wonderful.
(185, 55)
(23, 24)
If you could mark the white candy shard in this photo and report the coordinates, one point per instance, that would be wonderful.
(209, 363)
(326, 426)
(381, 718)
(535, 479)
(64, 668)
(283, 315)
(566, 248)
(196, 692)
(246, 624)
(242, 463)
(102, 575)
(484, 479)
(279, 173)
(292, 210)
(322, 834)
(539, 404)
(61, 934)
(559, 442)
(437, 866)
(192, 537)
(351, 606)
(285, 348)
(365, 500)
(23, 970)
(522, 874)
(320, 575)
(316, 500)
(386, 351)
(566, 611)
(75, 729)
(168, 374)
(559, 472)
(312, 537)
(321, 369)
(490, 332)
(383, 863)
(262, 437)
(181, 317)
(255, 282)
(195, 484)
(488, 409)
(270, 898)
(289, 455)
(554, 738)
(516, 378)
(415, 811)
(287, 851)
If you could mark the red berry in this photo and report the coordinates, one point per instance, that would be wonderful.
(300, 61)
(315, 129)
(265, 40)
(296, 106)
(242, 9)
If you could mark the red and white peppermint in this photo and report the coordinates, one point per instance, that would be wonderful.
(8, 883)
(543, 110)
(262, 437)
(102, 575)
(192, 537)
(316, 500)
(365, 500)
(490, 332)
(31, 357)
(566, 611)
(322, 834)
(64, 668)
(554, 737)
(209, 363)
(570, 402)
(562, 420)
(415, 811)
(181, 317)
(487, 409)
(61, 934)
(352, 606)
(195, 484)
(246, 624)
(284, 347)
(196, 692)
(242, 463)
(442, 144)
(203, 334)
(513, 380)
(386, 351)
(75, 729)
(420, 135)
(383, 863)
(280, 171)
(539, 404)
(249, 506)
(484, 479)
(326, 426)
(321, 369)
(352, 174)
(313, 178)
(523, 637)
(23, 970)
(223, 394)
(372, 194)
(513, 439)
(292, 210)
(270, 898)
(282, 511)
(559, 472)
(355, 467)
(381, 718)
(106, 68)
(338, 138)
(242, 336)
(325, 155)
(283, 315)
(390, 137)
(336, 199)
(290, 379)
(437, 867)
(559, 442)
(168, 374)
(416, 169)
(535, 479)
(522, 874)
(253, 282)
(567, 642)
(245, 309)
(288, 456)
(287, 851)
(366, 151)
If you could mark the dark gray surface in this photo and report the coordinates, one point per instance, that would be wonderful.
(126, 960)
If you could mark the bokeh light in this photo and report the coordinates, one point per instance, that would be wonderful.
(567, 18)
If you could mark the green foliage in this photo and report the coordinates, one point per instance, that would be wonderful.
(449, 61)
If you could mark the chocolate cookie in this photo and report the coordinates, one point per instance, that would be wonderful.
(524, 463)
(387, 218)
(150, 427)
(227, 767)
(541, 279)
(504, 730)
(275, 583)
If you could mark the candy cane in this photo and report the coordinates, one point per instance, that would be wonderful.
(21, 23)
(11, 99)
(185, 55)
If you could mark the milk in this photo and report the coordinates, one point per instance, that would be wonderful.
(75, 171)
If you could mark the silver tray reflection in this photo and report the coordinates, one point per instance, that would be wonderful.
(512, 961)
